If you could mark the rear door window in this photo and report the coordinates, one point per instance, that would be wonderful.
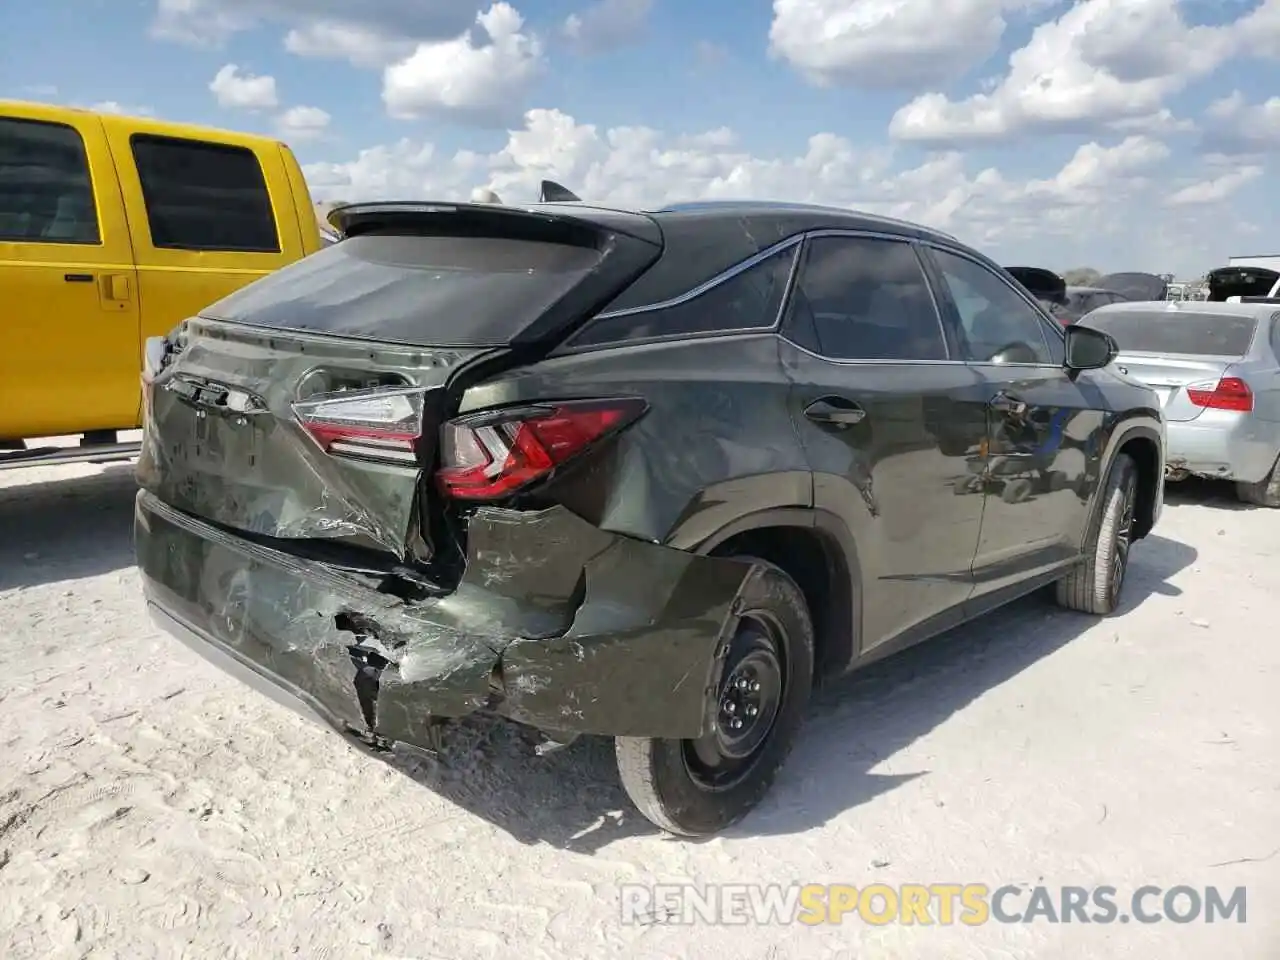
(1186, 334)
(46, 195)
(749, 300)
(204, 196)
(862, 298)
(422, 290)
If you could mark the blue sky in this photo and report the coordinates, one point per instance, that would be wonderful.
(1114, 133)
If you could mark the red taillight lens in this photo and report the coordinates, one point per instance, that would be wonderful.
(381, 425)
(1230, 393)
(488, 456)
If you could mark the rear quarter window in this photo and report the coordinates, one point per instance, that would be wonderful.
(420, 290)
(749, 300)
(1187, 334)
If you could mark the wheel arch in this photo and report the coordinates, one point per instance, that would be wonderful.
(1143, 440)
(818, 552)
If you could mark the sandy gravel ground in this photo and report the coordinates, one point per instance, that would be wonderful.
(150, 807)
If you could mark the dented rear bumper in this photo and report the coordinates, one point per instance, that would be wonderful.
(555, 624)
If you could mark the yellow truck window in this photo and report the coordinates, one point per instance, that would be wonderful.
(204, 196)
(46, 195)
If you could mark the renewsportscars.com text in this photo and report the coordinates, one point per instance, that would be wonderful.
(971, 904)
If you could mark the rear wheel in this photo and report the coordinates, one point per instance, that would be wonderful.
(699, 787)
(1094, 586)
(1264, 493)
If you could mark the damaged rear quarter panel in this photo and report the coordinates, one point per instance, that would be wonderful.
(717, 444)
(641, 656)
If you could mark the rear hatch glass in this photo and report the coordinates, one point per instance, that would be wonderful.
(439, 291)
(1171, 351)
(1185, 334)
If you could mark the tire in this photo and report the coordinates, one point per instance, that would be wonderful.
(1094, 586)
(1264, 493)
(667, 780)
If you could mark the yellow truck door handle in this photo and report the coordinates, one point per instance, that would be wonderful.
(117, 286)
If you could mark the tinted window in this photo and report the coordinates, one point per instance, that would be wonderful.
(862, 299)
(750, 300)
(994, 319)
(424, 290)
(204, 196)
(45, 191)
(1197, 334)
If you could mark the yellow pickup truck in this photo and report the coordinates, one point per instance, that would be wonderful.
(114, 229)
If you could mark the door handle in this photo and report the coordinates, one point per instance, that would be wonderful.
(77, 277)
(117, 286)
(835, 410)
(1007, 403)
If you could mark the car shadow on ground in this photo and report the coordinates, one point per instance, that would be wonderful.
(67, 528)
(573, 800)
(1202, 492)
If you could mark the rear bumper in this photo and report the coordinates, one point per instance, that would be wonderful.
(1241, 450)
(555, 624)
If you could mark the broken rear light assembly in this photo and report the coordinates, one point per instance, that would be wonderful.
(1229, 393)
(380, 425)
(492, 455)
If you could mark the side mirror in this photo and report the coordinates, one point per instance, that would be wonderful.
(1089, 349)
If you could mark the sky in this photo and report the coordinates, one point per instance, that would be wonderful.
(1115, 134)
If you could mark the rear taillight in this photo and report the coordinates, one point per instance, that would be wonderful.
(382, 425)
(1230, 393)
(491, 455)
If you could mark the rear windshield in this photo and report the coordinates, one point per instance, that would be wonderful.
(1209, 335)
(419, 290)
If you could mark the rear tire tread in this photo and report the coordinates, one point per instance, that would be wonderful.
(1264, 493)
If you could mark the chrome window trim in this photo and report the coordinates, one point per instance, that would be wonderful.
(708, 285)
(877, 363)
(1036, 309)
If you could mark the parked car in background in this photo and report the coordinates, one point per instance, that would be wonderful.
(1232, 283)
(113, 229)
(1068, 303)
(645, 474)
(1216, 367)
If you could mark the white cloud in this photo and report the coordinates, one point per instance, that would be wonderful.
(886, 43)
(1101, 63)
(1095, 174)
(356, 43)
(607, 24)
(244, 91)
(1216, 189)
(1236, 126)
(303, 123)
(482, 83)
(1101, 194)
